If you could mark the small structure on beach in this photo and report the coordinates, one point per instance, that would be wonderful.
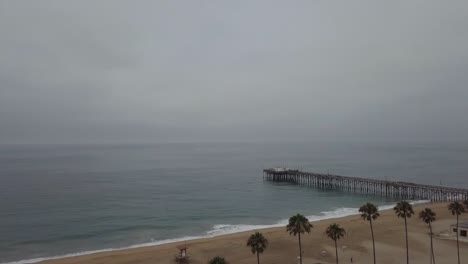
(182, 257)
(462, 230)
(280, 169)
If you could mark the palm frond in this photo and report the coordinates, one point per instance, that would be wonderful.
(298, 224)
(456, 208)
(403, 209)
(427, 215)
(257, 243)
(335, 232)
(369, 212)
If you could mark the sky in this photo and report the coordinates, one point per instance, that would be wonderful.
(202, 71)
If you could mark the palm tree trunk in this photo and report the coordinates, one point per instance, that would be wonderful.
(458, 245)
(258, 258)
(432, 245)
(336, 251)
(407, 250)
(373, 243)
(300, 249)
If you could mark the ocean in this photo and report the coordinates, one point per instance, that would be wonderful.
(62, 200)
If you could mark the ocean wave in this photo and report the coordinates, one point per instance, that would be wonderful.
(218, 230)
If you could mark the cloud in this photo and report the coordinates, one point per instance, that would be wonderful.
(165, 71)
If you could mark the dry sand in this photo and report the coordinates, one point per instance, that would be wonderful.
(283, 248)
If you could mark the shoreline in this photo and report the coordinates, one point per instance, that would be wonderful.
(388, 229)
(238, 229)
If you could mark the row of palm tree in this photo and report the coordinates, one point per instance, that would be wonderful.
(299, 224)
(405, 210)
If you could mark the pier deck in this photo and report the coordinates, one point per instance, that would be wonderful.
(397, 189)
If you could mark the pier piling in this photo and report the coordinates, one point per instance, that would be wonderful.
(396, 189)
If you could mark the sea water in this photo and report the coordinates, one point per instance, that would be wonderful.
(64, 200)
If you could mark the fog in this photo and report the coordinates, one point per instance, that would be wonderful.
(200, 71)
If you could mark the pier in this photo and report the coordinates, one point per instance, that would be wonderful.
(396, 189)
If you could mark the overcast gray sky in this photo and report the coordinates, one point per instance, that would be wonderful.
(144, 71)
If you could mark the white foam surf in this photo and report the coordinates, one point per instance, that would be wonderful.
(218, 230)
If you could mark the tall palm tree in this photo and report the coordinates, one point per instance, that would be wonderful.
(370, 212)
(457, 209)
(428, 216)
(404, 210)
(257, 243)
(298, 224)
(335, 232)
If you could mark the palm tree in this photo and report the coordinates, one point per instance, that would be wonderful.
(428, 216)
(404, 210)
(457, 209)
(335, 232)
(370, 212)
(257, 243)
(217, 260)
(298, 224)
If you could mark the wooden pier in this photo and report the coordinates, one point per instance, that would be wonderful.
(396, 189)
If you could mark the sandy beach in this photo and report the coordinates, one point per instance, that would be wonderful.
(283, 248)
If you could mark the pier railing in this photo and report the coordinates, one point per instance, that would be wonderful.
(397, 189)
